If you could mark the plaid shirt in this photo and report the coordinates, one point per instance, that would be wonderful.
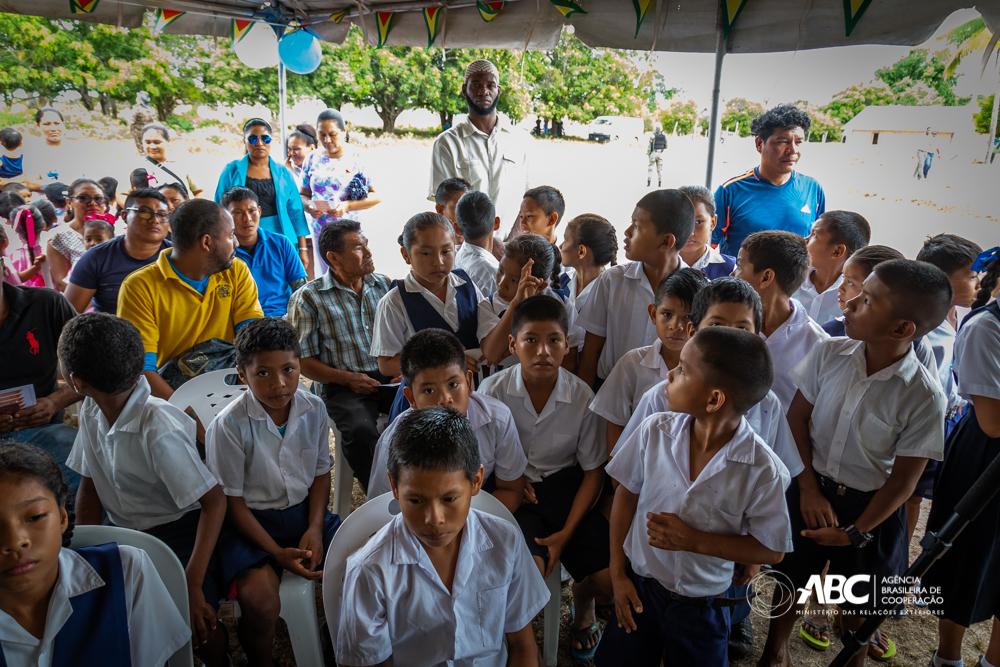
(335, 324)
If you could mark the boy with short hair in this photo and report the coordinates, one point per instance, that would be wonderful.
(439, 555)
(11, 160)
(565, 452)
(775, 264)
(433, 364)
(446, 198)
(671, 471)
(835, 236)
(476, 220)
(615, 317)
(541, 210)
(866, 418)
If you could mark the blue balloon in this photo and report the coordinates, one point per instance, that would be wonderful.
(300, 52)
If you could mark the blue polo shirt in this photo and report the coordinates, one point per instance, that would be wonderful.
(104, 267)
(274, 265)
(748, 204)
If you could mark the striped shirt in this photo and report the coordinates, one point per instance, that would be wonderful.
(335, 324)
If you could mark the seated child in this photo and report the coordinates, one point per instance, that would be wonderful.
(9, 201)
(589, 245)
(566, 455)
(856, 269)
(28, 259)
(775, 263)
(835, 236)
(476, 220)
(270, 450)
(698, 253)
(672, 471)
(97, 231)
(446, 198)
(644, 367)
(11, 166)
(102, 605)
(866, 417)
(441, 583)
(137, 460)
(616, 316)
(541, 210)
(433, 365)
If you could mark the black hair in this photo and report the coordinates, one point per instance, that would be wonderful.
(15, 187)
(76, 185)
(671, 213)
(430, 348)
(475, 215)
(547, 258)
(110, 186)
(176, 185)
(727, 289)
(9, 201)
(781, 116)
(3, 238)
(56, 193)
(48, 211)
(44, 110)
(783, 252)
(10, 138)
(19, 220)
(256, 122)
(450, 187)
(435, 438)
(549, 200)
(949, 252)
(106, 228)
(539, 308)
(683, 284)
(305, 132)
(421, 222)
(699, 194)
(597, 235)
(331, 237)
(104, 351)
(164, 132)
(848, 228)
(987, 284)
(331, 114)
(34, 463)
(918, 291)
(871, 256)
(144, 193)
(138, 178)
(193, 219)
(738, 362)
(267, 334)
(238, 193)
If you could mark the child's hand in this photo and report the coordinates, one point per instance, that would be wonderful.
(556, 542)
(203, 616)
(312, 541)
(816, 509)
(471, 364)
(626, 599)
(528, 285)
(828, 537)
(38, 261)
(668, 531)
(293, 559)
(529, 493)
(743, 573)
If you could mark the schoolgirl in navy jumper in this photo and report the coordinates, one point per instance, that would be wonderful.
(698, 252)
(589, 246)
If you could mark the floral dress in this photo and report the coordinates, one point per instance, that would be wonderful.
(327, 179)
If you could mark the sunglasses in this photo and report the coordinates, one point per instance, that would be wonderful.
(146, 214)
(87, 200)
(252, 139)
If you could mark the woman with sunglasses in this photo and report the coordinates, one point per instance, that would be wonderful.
(85, 198)
(277, 194)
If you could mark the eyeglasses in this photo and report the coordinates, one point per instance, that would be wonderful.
(88, 200)
(252, 139)
(146, 214)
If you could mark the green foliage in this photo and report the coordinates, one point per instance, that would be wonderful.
(919, 78)
(848, 103)
(983, 118)
(742, 111)
(684, 114)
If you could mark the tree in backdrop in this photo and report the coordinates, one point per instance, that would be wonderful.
(972, 38)
(679, 116)
(983, 119)
(741, 111)
(920, 78)
(824, 127)
(848, 103)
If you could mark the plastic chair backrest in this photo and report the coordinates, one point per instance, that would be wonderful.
(207, 394)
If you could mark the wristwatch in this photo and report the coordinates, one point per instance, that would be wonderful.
(858, 539)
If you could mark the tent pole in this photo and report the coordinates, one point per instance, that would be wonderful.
(713, 123)
(282, 103)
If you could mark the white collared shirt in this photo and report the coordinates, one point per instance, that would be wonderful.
(394, 603)
(564, 434)
(392, 324)
(861, 423)
(977, 360)
(493, 307)
(481, 266)
(618, 310)
(631, 377)
(741, 491)
(767, 419)
(145, 467)
(500, 449)
(156, 629)
(942, 342)
(821, 307)
(711, 256)
(789, 344)
(252, 460)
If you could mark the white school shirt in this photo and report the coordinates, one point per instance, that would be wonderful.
(564, 434)
(395, 605)
(393, 327)
(861, 423)
(481, 266)
(741, 491)
(977, 357)
(633, 375)
(820, 307)
(711, 256)
(500, 449)
(145, 467)
(789, 344)
(156, 629)
(252, 460)
(493, 307)
(767, 419)
(942, 342)
(618, 310)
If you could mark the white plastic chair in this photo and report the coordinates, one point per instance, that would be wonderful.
(164, 560)
(343, 473)
(370, 517)
(207, 395)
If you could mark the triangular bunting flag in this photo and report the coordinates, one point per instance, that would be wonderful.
(853, 9)
(641, 7)
(337, 17)
(731, 11)
(385, 21)
(240, 29)
(433, 19)
(490, 10)
(164, 17)
(83, 6)
(568, 7)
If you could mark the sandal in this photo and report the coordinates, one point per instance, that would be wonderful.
(890, 652)
(810, 640)
(583, 636)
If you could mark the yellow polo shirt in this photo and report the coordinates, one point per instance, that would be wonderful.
(172, 317)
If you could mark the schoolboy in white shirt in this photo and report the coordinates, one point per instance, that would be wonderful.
(698, 492)
(476, 219)
(433, 365)
(866, 418)
(835, 236)
(775, 264)
(440, 584)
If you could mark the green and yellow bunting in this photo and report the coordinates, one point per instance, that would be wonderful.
(163, 18)
(567, 7)
(240, 29)
(641, 7)
(83, 6)
(385, 22)
(490, 10)
(337, 17)
(433, 19)
(853, 9)
(730, 12)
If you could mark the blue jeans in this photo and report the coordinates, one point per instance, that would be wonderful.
(56, 439)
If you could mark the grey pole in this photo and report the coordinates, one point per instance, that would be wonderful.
(282, 103)
(713, 123)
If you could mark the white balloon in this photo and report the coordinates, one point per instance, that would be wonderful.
(258, 48)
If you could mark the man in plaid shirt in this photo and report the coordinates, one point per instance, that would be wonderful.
(335, 316)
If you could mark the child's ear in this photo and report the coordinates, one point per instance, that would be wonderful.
(470, 380)
(716, 399)
(553, 220)
(652, 312)
(904, 330)
(715, 221)
(668, 243)
(241, 374)
(439, 209)
(840, 250)
(392, 485)
(477, 481)
(691, 329)
(496, 224)
(766, 278)
(408, 393)
(406, 255)
(511, 345)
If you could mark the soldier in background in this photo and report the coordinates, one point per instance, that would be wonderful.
(657, 144)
